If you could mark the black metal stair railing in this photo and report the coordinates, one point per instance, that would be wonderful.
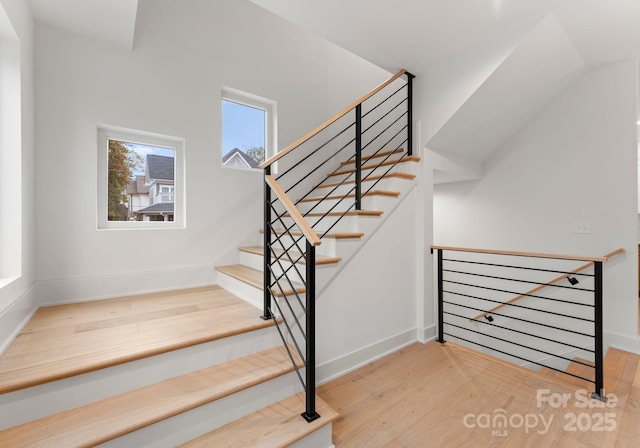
(374, 135)
(504, 303)
(289, 294)
(348, 155)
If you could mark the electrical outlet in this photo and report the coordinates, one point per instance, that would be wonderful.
(582, 227)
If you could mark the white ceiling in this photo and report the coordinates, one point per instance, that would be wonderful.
(392, 33)
(111, 21)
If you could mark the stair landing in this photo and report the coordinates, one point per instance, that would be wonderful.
(67, 340)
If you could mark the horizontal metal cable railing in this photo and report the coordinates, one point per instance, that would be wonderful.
(347, 156)
(289, 293)
(504, 302)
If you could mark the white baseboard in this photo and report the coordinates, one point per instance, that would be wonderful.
(622, 342)
(347, 363)
(15, 317)
(427, 334)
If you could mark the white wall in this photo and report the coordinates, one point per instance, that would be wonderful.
(17, 259)
(576, 161)
(184, 52)
(369, 309)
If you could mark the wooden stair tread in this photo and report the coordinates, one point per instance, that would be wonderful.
(352, 195)
(614, 363)
(551, 376)
(366, 158)
(67, 340)
(332, 235)
(278, 425)
(320, 259)
(581, 370)
(368, 167)
(255, 278)
(107, 419)
(349, 213)
(397, 174)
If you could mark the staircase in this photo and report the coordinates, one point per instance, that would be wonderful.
(151, 370)
(198, 367)
(339, 243)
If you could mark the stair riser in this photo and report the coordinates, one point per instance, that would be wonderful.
(320, 439)
(389, 183)
(248, 293)
(332, 224)
(403, 167)
(329, 246)
(336, 205)
(323, 272)
(194, 423)
(40, 401)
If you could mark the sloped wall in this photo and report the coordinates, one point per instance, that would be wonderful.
(575, 161)
(184, 52)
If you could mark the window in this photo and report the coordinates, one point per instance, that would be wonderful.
(248, 129)
(141, 180)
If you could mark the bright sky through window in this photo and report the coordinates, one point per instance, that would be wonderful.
(243, 127)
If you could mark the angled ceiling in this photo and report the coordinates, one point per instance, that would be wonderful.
(110, 21)
(391, 33)
(429, 38)
(543, 64)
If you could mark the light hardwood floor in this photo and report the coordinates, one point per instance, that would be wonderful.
(423, 395)
(61, 341)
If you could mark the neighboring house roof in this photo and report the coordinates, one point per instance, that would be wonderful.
(159, 167)
(137, 186)
(160, 207)
(236, 155)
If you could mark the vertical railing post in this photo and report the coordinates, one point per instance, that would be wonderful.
(310, 292)
(599, 354)
(358, 157)
(410, 113)
(440, 298)
(267, 249)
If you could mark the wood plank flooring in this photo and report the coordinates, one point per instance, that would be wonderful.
(61, 341)
(275, 426)
(104, 420)
(437, 395)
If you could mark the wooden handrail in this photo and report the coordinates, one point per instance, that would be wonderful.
(336, 117)
(541, 287)
(302, 223)
(529, 254)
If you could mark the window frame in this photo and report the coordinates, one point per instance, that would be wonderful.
(11, 153)
(270, 109)
(106, 133)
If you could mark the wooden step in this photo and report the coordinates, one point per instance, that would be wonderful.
(349, 213)
(577, 369)
(255, 278)
(67, 340)
(614, 363)
(278, 425)
(392, 174)
(320, 259)
(375, 156)
(352, 195)
(113, 417)
(332, 235)
(375, 165)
